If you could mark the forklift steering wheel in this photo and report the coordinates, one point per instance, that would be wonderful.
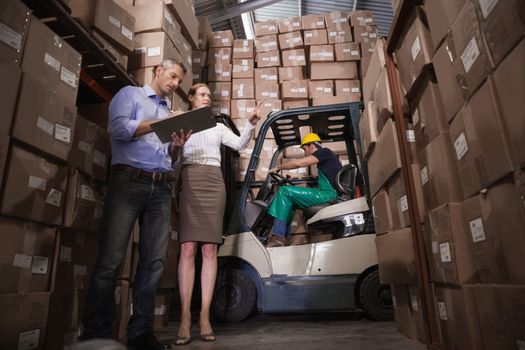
(281, 180)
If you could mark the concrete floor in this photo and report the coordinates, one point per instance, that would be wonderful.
(304, 332)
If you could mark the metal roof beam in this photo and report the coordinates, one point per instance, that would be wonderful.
(240, 8)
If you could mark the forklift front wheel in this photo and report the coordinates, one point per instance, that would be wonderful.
(235, 296)
(376, 298)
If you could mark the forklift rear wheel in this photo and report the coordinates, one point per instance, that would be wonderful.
(235, 296)
(376, 298)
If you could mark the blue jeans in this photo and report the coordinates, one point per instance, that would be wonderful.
(129, 197)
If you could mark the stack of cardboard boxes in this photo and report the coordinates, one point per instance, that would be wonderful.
(461, 76)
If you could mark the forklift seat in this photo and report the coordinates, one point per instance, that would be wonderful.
(345, 187)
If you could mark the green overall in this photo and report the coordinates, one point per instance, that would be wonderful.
(289, 198)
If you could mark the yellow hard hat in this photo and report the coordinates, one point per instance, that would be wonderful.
(311, 137)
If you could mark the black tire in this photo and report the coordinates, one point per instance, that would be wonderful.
(235, 296)
(376, 298)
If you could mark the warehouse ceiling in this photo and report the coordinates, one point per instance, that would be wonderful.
(225, 14)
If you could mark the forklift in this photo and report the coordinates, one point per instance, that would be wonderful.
(337, 275)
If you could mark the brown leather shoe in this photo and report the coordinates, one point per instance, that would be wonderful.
(276, 241)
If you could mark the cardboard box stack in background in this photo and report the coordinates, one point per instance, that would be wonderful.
(459, 62)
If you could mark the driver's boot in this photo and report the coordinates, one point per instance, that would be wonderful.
(276, 241)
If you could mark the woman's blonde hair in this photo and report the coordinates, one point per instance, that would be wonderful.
(193, 91)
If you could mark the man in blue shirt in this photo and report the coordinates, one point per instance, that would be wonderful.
(139, 187)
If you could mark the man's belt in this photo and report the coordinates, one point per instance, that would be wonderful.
(155, 176)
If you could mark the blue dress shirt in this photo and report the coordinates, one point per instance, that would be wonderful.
(127, 109)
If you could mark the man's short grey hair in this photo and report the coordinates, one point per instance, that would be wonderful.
(168, 62)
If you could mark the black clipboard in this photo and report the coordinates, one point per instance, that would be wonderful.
(197, 120)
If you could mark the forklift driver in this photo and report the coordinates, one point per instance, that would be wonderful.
(289, 198)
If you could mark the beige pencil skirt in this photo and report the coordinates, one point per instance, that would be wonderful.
(202, 199)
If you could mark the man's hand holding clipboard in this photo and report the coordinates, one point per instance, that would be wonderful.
(192, 121)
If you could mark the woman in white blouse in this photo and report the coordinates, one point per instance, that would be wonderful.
(202, 200)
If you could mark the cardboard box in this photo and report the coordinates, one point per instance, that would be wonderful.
(500, 315)
(361, 18)
(44, 119)
(415, 50)
(291, 73)
(50, 59)
(428, 114)
(313, 22)
(295, 104)
(243, 88)
(220, 72)
(199, 59)
(221, 91)
(27, 256)
(268, 59)
(294, 89)
(367, 128)
(315, 37)
(382, 213)
(64, 319)
(321, 53)
(120, 58)
(292, 40)
(347, 52)
(25, 328)
(330, 100)
(91, 147)
(339, 33)
(267, 75)
(439, 173)
(8, 95)
(399, 201)
(243, 48)
(117, 24)
(205, 32)
(155, 16)
(447, 245)
(14, 17)
(265, 28)
(509, 77)
(502, 24)
(74, 260)
(219, 55)
(243, 68)
(376, 66)
(417, 314)
(266, 43)
(333, 70)
(456, 312)
(151, 49)
(383, 98)
(396, 258)
(83, 195)
(448, 87)
(405, 322)
(467, 58)
(348, 88)
(333, 18)
(293, 58)
(221, 107)
(385, 160)
(481, 152)
(267, 107)
(222, 39)
(440, 16)
(320, 88)
(266, 90)
(242, 108)
(289, 24)
(34, 188)
(184, 13)
(494, 222)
